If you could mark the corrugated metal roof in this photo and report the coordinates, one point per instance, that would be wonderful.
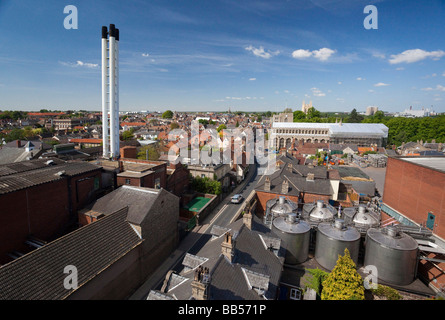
(39, 275)
(25, 179)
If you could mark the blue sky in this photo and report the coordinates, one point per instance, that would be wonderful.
(209, 55)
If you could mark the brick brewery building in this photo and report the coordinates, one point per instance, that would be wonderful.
(40, 199)
(414, 194)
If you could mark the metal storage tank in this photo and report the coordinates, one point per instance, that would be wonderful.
(361, 217)
(319, 211)
(295, 236)
(282, 206)
(393, 253)
(332, 240)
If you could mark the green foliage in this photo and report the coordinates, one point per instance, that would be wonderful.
(386, 292)
(344, 282)
(13, 115)
(354, 117)
(299, 115)
(167, 114)
(206, 185)
(221, 127)
(174, 125)
(127, 135)
(315, 282)
(153, 154)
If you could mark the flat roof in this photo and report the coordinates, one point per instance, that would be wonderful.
(197, 204)
(436, 163)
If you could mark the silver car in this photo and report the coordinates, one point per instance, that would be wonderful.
(237, 198)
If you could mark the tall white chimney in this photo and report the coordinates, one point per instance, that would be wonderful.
(105, 133)
(110, 92)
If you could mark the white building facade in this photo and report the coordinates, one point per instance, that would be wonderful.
(363, 134)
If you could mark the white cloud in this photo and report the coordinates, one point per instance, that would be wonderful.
(260, 52)
(378, 55)
(323, 54)
(301, 54)
(438, 88)
(360, 79)
(414, 55)
(400, 68)
(80, 64)
(381, 84)
(317, 92)
(145, 54)
(252, 79)
(370, 90)
(339, 82)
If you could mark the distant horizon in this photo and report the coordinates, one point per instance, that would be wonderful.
(250, 55)
(194, 111)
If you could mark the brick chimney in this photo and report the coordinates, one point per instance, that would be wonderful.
(289, 167)
(285, 187)
(228, 246)
(19, 143)
(267, 184)
(200, 284)
(247, 219)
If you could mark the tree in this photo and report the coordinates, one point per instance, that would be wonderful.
(299, 115)
(344, 282)
(221, 127)
(313, 113)
(206, 185)
(316, 279)
(354, 117)
(174, 125)
(153, 154)
(127, 135)
(167, 114)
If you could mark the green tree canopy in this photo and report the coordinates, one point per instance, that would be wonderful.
(354, 117)
(344, 282)
(148, 153)
(167, 114)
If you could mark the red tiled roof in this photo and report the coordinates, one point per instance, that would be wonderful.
(89, 140)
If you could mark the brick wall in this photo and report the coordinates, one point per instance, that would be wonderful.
(40, 211)
(414, 191)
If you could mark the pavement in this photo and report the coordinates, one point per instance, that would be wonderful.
(219, 214)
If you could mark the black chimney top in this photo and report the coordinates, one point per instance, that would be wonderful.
(117, 34)
(112, 30)
(104, 32)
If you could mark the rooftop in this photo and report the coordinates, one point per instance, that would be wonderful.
(435, 163)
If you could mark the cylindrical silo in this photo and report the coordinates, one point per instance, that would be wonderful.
(332, 240)
(281, 207)
(393, 253)
(294, 234)
(319, 211)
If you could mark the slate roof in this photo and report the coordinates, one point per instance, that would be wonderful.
(138, 199)
(39, 275)
(17, 167)
(30, 178)
(228, 280)
(297, 180)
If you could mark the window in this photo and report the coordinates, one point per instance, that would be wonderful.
(127, 181)
(158, 183)
(295, 294)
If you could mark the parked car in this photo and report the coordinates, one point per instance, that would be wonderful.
(237, 198)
